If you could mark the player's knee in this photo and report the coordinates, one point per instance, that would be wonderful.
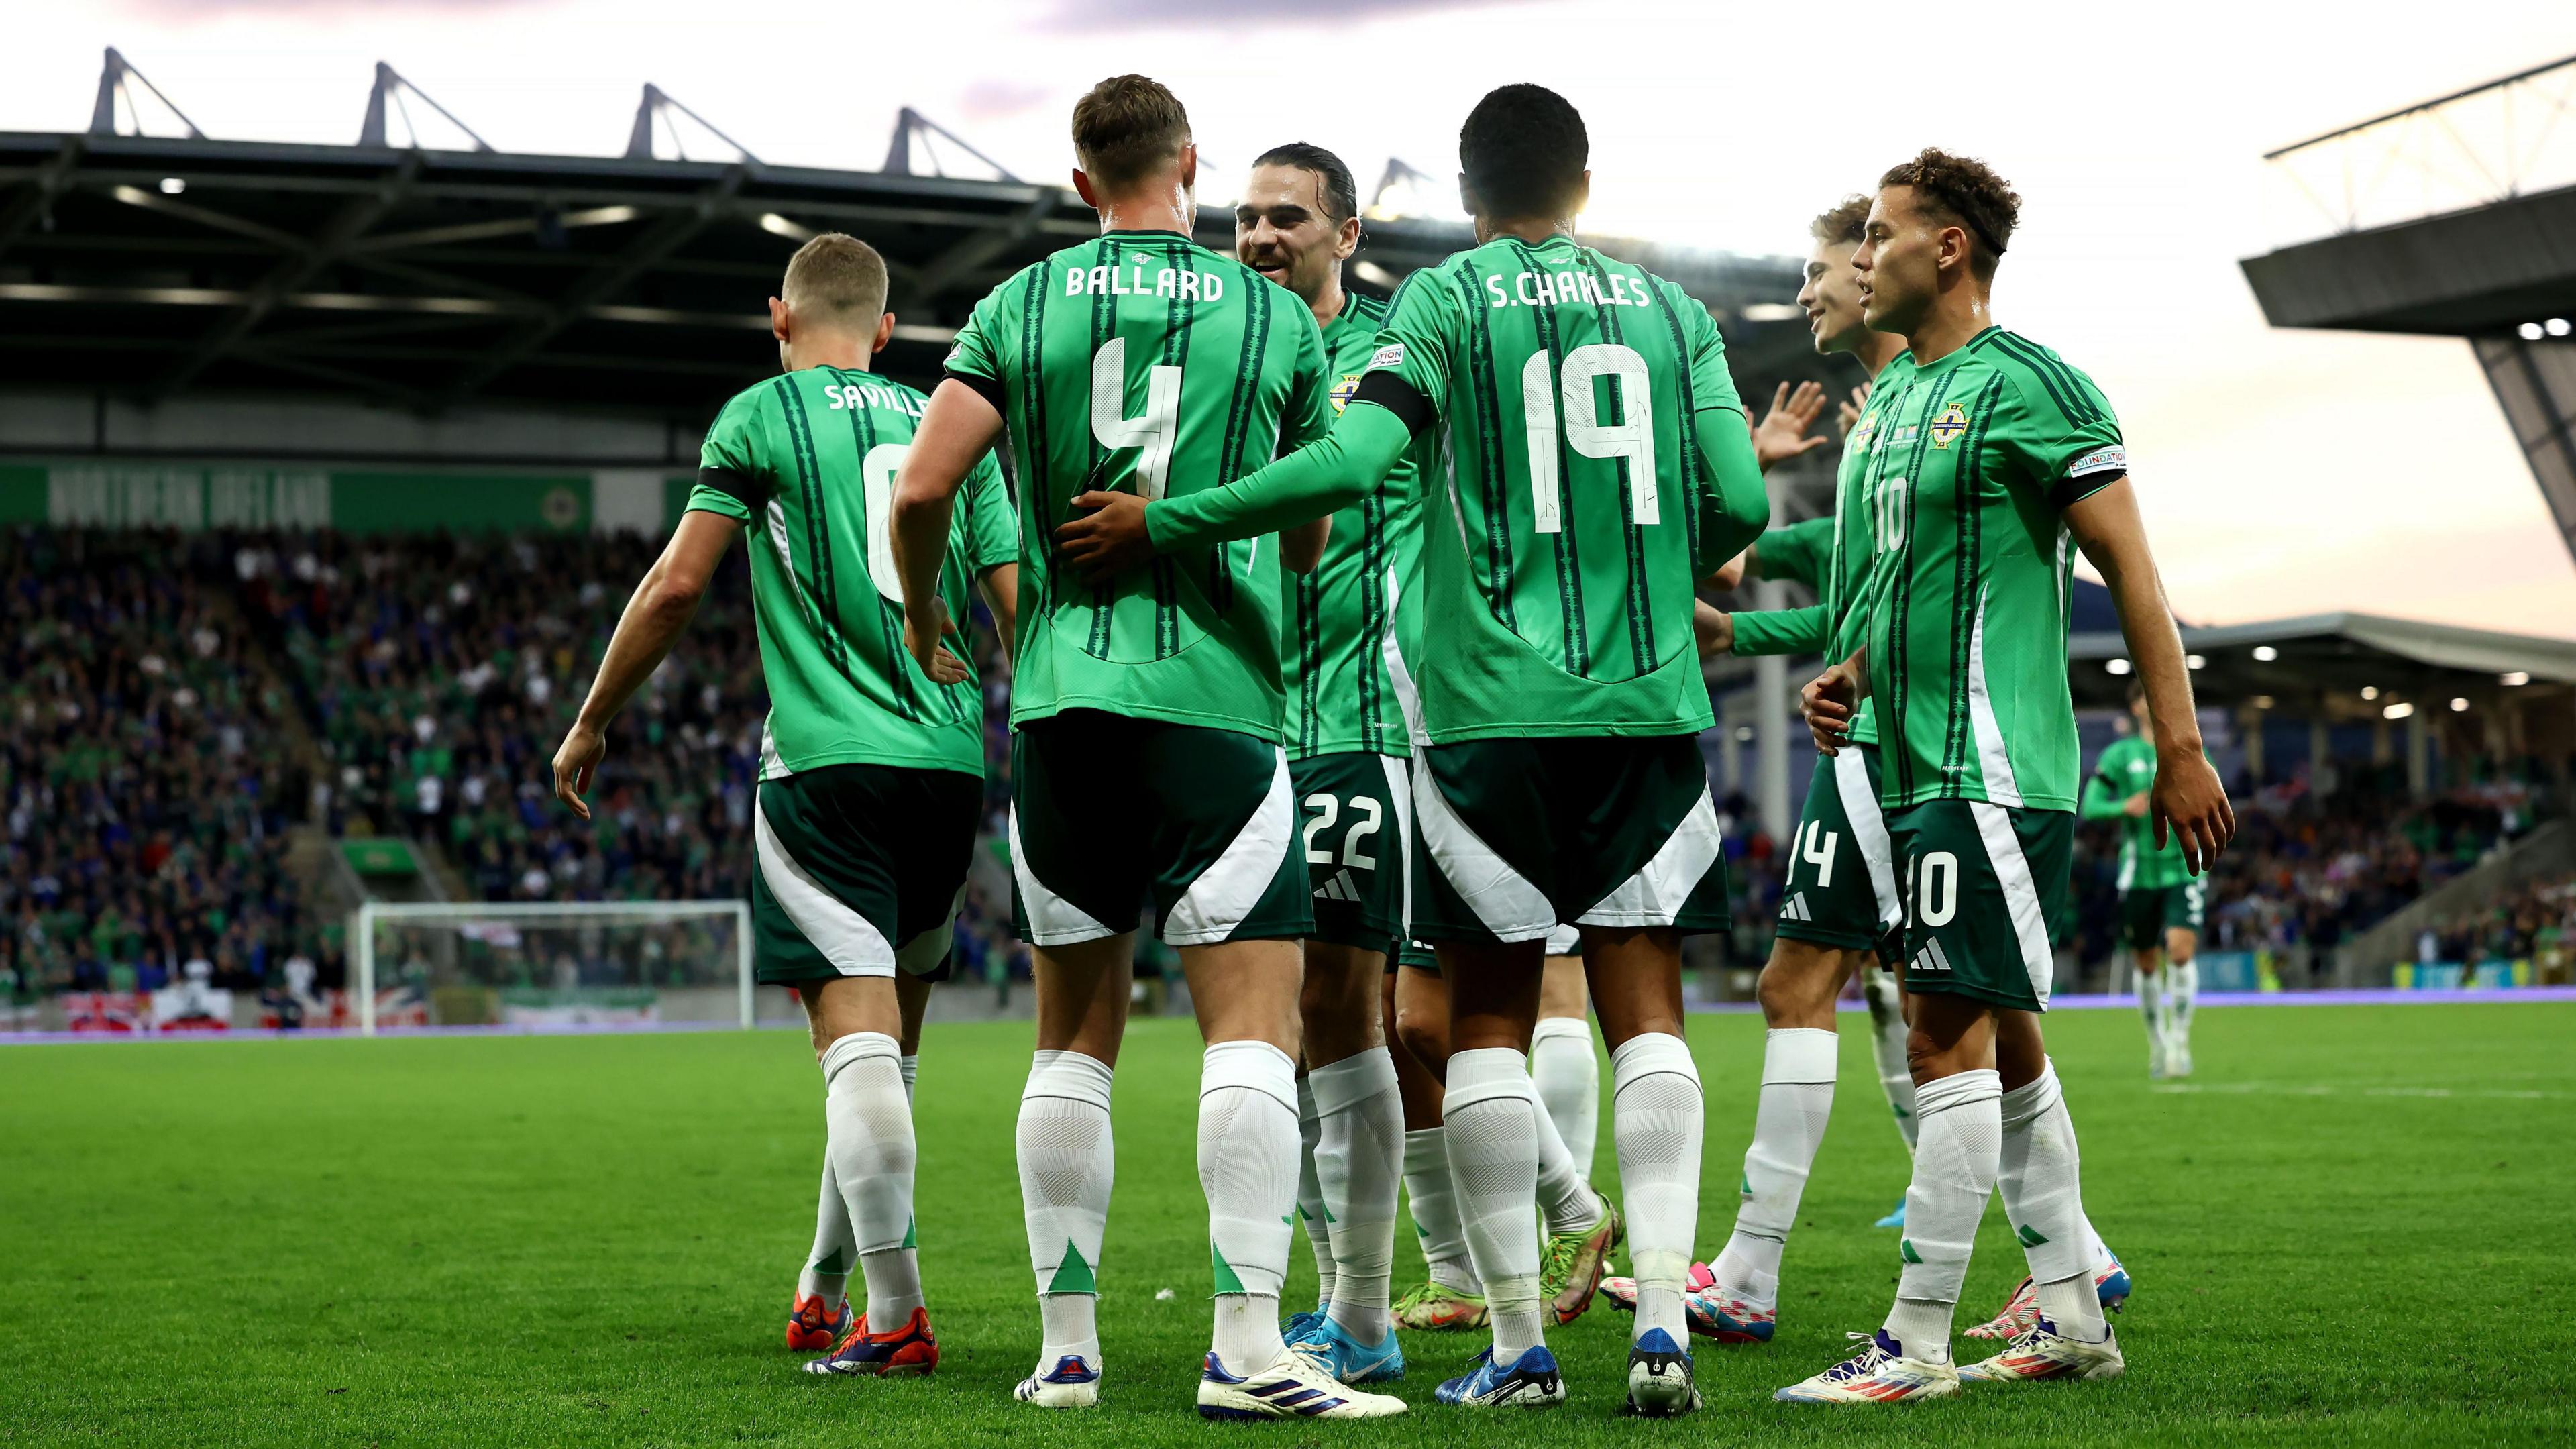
(1798, 984)
(1424, 1035)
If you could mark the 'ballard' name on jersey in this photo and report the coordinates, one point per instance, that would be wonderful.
(1128, 279)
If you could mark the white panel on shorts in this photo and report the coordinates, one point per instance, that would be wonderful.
(2021, 895)
(1053, 920)
(847, 939)
(1505, 901)
(1565, 941)
(1655, 895)
(1399, 794)
(1869, 832)
(1234, 883)
(922, 953)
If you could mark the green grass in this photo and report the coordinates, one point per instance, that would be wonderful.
(591, 1240)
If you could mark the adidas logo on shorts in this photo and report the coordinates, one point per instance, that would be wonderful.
(1339, 888)
(1795, 908)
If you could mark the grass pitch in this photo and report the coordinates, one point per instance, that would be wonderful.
(2351, 1227)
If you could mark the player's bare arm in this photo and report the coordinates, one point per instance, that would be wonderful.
(1783, 432)
(660, 608)
(1002, 595)
(2187, 797)
(957, 428)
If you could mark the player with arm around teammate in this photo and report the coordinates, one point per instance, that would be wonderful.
(871, 768)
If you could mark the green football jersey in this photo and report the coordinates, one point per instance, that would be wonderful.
(1341, 687)
(1800, 552)
(1972, 460)
(808, 460)
(1143, 361)
(1559, 569)
(2128, 768)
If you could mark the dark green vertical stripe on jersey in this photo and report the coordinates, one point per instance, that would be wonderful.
(1177, 317)
(1032, 431)
(863, 437)
(1104, 323)
(1238, 425)
(1967, 485)
(1569, 554)
(2053, 375)
(1373, 607)
(1641, 616)
(1491, 472)
(818, 535)
(1689, 429)
(1901, 591)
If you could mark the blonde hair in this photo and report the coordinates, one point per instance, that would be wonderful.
(836, 279)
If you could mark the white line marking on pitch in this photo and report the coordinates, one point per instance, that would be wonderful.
(2311, 1089)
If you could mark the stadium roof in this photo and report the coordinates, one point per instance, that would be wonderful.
(2333, 657)
(144, 267)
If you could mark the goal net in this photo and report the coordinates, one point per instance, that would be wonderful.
(537, 965)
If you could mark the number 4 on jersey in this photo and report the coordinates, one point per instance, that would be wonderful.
(1153, 431)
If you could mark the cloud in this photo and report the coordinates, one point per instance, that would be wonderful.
(993, 100)
(204, 10)
(1098, 15)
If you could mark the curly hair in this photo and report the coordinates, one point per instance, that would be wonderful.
(1524, 149)
(1967, 192)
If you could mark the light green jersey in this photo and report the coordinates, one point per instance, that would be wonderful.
(1561, 553)
(1972, 460)
(808, 460)
(1145, 362)
(2128, 768)
(1831, 556)
(1341, 685)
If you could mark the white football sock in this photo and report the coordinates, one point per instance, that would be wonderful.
(1310, 1192)
(1788, 1124)
(2151, 1005)
(1887, 1045)
(1433, 1195)
(1566, 1203)
(1657, 1119)
(2044, 1200)
(869, 1134)
(1568, 1078)
(1492, 1112)
(1956, 1161)
(2182, 992)
(911, 1071)
(827, 1269)
(1066, 1170)
(1248, 1168)
(1359, 1157)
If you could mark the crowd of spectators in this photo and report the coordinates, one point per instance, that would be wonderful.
(143, 773)
(2534, 921)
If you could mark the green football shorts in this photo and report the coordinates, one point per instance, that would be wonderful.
(1841, 886)
(2147, 912)
(1521, 835)
(861, 870)
(1113, 817)
(1981, 884)
(1355, 834)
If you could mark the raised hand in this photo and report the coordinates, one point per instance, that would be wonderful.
(1782, 432)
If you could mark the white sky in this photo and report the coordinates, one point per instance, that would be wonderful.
(2281, 472)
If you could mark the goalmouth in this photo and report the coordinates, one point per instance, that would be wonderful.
(549, 965)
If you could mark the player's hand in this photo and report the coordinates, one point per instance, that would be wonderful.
(924, 630)
(1714, 627)
(2135, 805)
(1848, 414)
(1783, 430)
(1105, 537)
(576, 763)
(1829, 701)
(2189, 801)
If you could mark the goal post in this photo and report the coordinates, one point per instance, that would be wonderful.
(540, 964)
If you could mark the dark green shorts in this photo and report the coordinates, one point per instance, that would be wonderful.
(1981, 884)
(1413, 956)
(1354, 830)
(1520, 835)
(861, 868)
(2147, 912)
(1113, 817)
(1841, 887)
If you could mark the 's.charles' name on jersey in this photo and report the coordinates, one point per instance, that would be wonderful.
(1143, 276)
(1539, 289)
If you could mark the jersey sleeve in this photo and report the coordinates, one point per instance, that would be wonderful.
(1310, 395)
(1414, 344)
(1799, 552)
(975, 357)
(1712, 384)
(732, 478)
(2067, 438)
(991, 524)
(1780, 631)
